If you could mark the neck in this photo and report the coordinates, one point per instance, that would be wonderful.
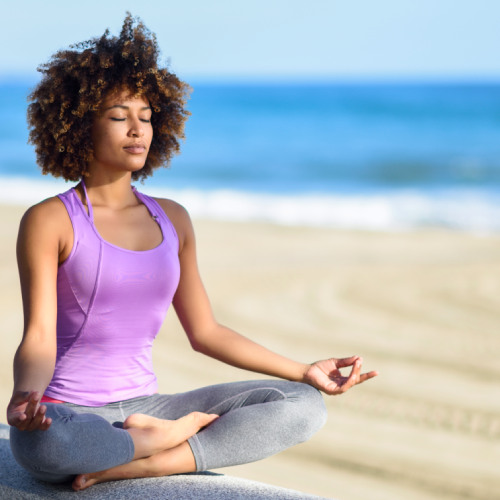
(113, 192)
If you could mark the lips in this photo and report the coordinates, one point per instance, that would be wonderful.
(135, 149)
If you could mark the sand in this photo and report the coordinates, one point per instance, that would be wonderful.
(421, 307)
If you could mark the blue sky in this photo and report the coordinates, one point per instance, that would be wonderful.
(275, 39)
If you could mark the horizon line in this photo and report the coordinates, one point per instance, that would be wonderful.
(31, 78)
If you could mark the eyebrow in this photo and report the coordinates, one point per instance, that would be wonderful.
(121, 106)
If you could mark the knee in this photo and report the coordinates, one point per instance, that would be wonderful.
(33, 450)
(42, 451)
(313, 413)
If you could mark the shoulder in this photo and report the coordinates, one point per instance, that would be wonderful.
(49, 212)
(179, 217)
(45, 222)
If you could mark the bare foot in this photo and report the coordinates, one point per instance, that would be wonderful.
(84, 481)
(159, 434)
(177, 460)
(161, 448)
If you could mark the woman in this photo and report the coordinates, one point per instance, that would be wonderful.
(99, 266)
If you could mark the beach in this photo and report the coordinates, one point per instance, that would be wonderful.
(421, 306)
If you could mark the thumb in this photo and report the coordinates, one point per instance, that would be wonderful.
(343, 362)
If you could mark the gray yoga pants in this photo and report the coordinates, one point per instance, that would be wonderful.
(257, 419)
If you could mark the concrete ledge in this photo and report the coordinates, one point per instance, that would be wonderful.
(17, 484)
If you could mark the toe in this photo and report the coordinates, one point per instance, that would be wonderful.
(79, 483)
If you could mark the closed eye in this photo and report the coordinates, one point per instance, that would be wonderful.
(144, 120)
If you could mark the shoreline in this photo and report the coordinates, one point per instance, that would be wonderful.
(422, 307)
(473, 210)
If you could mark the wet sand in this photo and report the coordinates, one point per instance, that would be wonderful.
(421, 307)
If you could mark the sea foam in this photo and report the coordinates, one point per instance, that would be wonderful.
(400, 210)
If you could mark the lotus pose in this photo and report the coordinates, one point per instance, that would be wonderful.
(100, 265)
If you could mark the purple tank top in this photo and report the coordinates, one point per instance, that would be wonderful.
(111, 303)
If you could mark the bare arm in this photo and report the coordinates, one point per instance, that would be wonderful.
(39, 248)
(209, 337)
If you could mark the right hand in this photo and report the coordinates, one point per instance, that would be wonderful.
(325, 375)
(25, 413)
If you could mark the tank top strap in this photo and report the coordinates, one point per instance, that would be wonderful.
(150, 204)
(144, 199)
(158, 214)
(89, 205)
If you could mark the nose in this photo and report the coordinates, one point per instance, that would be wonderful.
(136, 128)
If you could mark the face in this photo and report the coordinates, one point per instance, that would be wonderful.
(122, 133)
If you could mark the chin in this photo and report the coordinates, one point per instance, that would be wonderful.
(136, 167)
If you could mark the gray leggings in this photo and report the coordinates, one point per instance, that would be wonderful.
(257, 419)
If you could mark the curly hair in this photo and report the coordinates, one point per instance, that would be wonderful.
(77, 80)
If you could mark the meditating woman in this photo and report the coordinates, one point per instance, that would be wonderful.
(100, 265)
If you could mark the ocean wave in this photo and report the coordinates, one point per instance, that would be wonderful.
(396, 210)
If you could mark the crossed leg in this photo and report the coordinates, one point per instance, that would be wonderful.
(161, 449)
(258, 419)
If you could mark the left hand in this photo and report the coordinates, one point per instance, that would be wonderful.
(25, 413)
(325, 375)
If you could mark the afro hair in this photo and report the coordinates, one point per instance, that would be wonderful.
(77, 80)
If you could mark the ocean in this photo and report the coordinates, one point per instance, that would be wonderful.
(380, 156)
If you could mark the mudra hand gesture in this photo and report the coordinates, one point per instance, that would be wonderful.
(325, 375)
(25, 413)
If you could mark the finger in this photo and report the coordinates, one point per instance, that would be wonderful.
(345, 383)
(46, 424)
(343, 362)
(32, 405)
(353, 378)
(31, 411)
(367, 376)
(38, 419)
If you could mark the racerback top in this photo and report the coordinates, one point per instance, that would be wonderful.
(111, 303)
